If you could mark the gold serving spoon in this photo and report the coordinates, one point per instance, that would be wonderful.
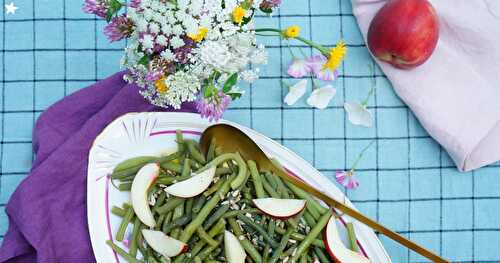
(231, 139)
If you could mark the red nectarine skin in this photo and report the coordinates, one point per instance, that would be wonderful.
(404, 33)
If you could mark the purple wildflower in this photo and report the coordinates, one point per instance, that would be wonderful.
(269, 4)
(298, 68)
(317, 65)
(153, 75)
(181, 54)
(119, 28)
(346, 179)
(96, 7)
(214, 106)
(135, 3)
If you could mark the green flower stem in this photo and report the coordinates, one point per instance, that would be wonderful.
(370, 93)
(308, 42)
(361, 155)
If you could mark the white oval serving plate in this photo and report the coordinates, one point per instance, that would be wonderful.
(153, 133)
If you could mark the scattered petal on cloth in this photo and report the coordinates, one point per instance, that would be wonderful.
(298, 68)
(296, 92)
(358, 114)
(62, 139)
(321, 97)
(455, 94)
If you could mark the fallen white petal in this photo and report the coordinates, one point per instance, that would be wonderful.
(321, 97)
(358, 114)
(296, 92)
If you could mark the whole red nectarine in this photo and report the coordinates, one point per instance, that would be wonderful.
(404, 33)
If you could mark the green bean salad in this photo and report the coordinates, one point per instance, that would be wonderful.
(221, 223)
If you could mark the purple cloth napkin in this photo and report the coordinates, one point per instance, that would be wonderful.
(47, 212)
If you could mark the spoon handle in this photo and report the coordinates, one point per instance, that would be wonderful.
(358, 216)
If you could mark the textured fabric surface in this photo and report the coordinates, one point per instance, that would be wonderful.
(455, 93)
(48, 211)
(50, 49)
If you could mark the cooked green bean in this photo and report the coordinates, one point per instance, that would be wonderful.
(205, 252)
(169, 157)
(134, 239)
(242, 212)
(289, 252)
(204, 236)
(215, 230)
(282, 188)
(180, 140)
(215, 216)
(352, 237)
(125, 186)
(198, 259)
(194, 152)
(226, 157)
(123, 226)
(171, 166)
(304, 195)
(315, 231)
(200, 201)
(245, 243)
(151, 259)
(166, 180)
(160, 200)
(313, 213)
(205, 211)
(211, 150)
(269, 189)
(222, 171)
(177, 222)
(321, 255)
(309, 219)
(242, 173)
(118, 211)
(186, 168)
(178, 213)
(159, 222)
(166, 222)
(256, 180)
(259, 229)
(300, 237)
(212, 189)
(122, 252)
(170, 205)
(279, 250)
(188, 207)
(131, 166)
(303, 258)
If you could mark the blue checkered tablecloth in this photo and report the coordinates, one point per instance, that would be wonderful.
(51, 49)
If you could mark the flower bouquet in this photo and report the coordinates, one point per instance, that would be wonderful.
(198, 50)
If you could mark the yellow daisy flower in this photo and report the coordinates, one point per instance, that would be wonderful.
(336, 56)
(200, 35)
(238, 14)
(161, 86)
(292, 31)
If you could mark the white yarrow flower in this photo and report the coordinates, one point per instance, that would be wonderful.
(177, 42)
(249, 76)
(147, 41)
